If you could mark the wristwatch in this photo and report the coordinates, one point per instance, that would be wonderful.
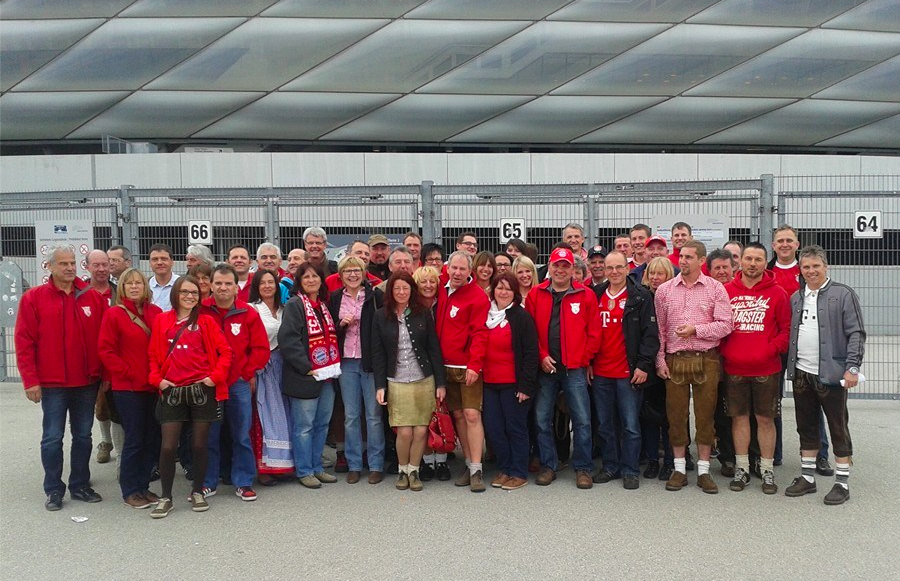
(853, 371)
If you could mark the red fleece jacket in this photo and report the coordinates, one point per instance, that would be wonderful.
(461, 325)
(124, 345)
(246, 335)
(579, 323)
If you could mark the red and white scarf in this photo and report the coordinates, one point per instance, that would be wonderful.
(324, 355)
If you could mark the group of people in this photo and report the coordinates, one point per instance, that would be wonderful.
(242, 374)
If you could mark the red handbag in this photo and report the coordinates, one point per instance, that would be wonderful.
(441, 435)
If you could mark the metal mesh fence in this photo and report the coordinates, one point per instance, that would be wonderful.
(823, 210)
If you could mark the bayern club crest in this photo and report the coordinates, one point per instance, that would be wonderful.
(235, 329)
(622, 303)
(453, 311)
(576, 308)
(333, 353)
(320, 355)
(87, 311)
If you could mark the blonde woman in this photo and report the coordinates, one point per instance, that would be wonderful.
(526, 274)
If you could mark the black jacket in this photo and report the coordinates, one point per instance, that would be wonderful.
(371, 304)
(422, 333)
(639, 326)
(525, 349)
(293, 342)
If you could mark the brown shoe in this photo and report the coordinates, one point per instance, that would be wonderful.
(352, 477)
(499, 480)
(514, 483)
(707, 484)
(137, 500)
(414, 483)
(677, 481)
(545, 477)
(476, 482)
(583, 480)
(464, 479)
(402, 481)
(375, 477)
(151, 497)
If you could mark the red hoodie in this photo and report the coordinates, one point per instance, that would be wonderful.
(461, 325)
(246, 335)
(217, 349)
(56, 336)
(123, 347)
(579, 323)
(762, 327)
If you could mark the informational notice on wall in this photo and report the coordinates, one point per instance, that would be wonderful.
(76, 234)
(710, 229)
(10, 292)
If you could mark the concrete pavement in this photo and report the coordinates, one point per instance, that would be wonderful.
(376, 532)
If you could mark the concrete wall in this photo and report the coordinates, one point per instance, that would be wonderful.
(202, 170)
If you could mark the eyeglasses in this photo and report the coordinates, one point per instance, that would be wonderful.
(352, 271)
(468, 243)
(617, 267)
(187, 293)
(434, 260)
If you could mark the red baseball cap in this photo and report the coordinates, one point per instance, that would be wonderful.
(562, 254)
(653, 239)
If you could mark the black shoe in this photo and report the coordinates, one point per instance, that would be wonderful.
(154, 474)
(188, 473)
(603, 477)
(85, 494)
(689, 462)
(754, 468)
(824, 468)
(666, 473)
(451, 455)
(426, 472)
(837, 495)
(631, 482)
(652, 470)
(443, 472)
(392, 467)
(727, 469)
(54, 501)
(777, 462)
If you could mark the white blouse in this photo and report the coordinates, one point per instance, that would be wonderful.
(271, 323)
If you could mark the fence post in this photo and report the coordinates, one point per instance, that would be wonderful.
(590, 221)
(129, 224)
(430, 213)
(273, 227)
(766, 210)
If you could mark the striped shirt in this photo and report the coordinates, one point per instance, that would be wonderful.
(704, 305)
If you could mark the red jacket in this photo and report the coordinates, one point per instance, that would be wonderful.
(217, 349)
(246, 335)
(675, 256)
(56, 336)
(579, 323)
(124, 345)
(244, 293)
(461, 320)
(762, 327)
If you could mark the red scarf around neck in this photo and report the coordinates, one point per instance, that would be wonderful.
(324, 355)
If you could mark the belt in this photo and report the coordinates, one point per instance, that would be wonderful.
(694, 353)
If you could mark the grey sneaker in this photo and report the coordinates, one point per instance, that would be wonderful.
(103, 451)
(768, 484)
(198, 502)
(740, 481)
(162, 508)
(310, 481)
(325, 478)
(414, 483)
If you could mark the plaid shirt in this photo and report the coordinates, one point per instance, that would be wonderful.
(704, 305)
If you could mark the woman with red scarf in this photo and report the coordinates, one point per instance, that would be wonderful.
(123, 345)
(309, 350)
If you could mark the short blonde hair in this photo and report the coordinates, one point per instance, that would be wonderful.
(351, 261)
(128, 275)
(525, 262)
(426, 272)
(660, 263)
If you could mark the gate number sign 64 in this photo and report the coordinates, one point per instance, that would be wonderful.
(868, 225)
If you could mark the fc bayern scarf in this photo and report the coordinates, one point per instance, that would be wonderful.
(323, 346)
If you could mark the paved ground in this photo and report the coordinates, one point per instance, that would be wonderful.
(376, 532)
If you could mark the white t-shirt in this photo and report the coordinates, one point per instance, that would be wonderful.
(808, 337)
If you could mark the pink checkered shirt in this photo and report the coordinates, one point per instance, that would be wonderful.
(704, 305)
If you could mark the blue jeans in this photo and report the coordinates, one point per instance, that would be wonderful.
(617, 403)
(140, 453)
(573, 383)
(506, 428)
(358, 393)
(56, 403)
(311, 418)
(238, 414)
